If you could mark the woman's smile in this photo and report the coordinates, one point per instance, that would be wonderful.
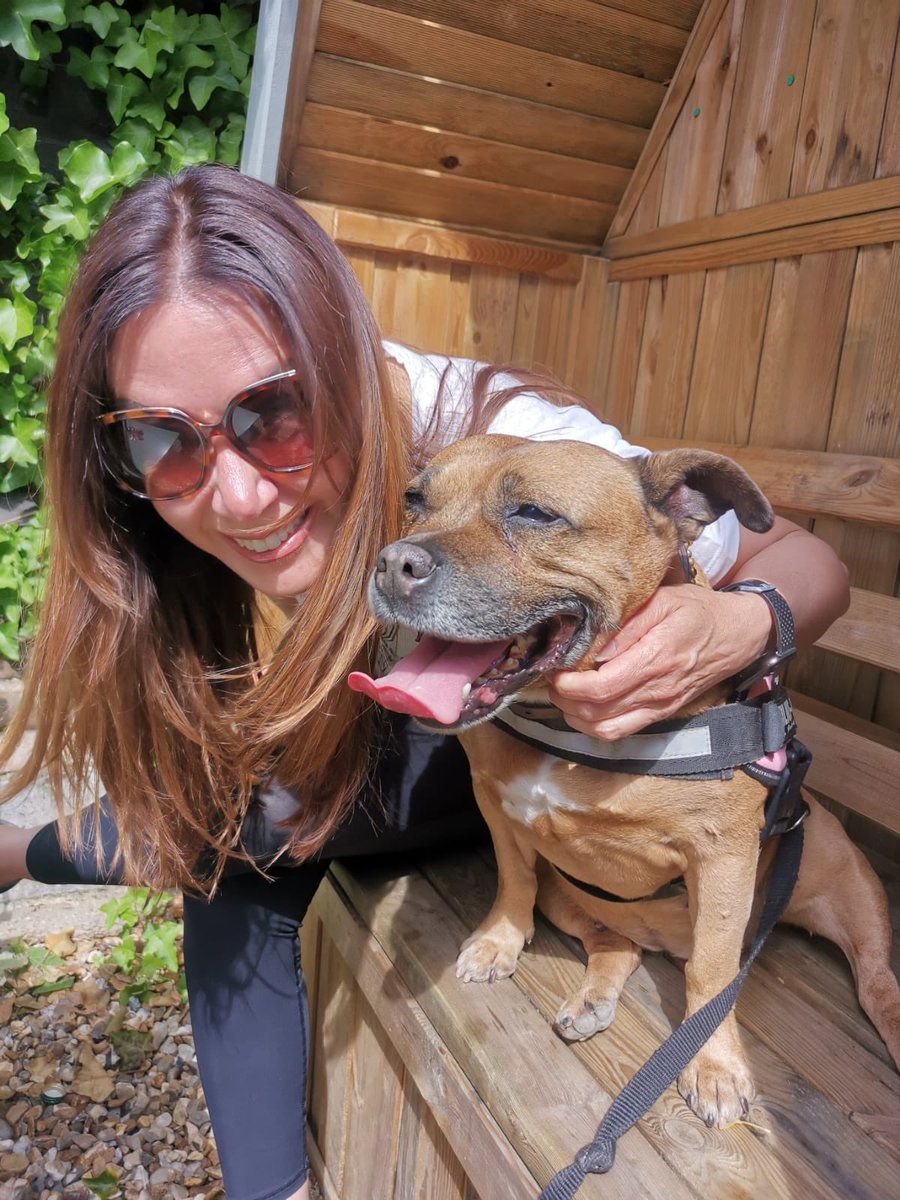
(286, 538)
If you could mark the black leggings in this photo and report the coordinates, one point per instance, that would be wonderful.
(247, 994)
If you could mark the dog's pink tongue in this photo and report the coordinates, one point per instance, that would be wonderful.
(429, 682)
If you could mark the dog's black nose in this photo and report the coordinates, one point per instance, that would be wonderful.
(402, 567)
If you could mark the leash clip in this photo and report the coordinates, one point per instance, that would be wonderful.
(786, 808)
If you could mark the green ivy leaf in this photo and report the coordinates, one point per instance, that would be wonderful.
(201, 87)
(231, 139)
(16, 17)
(121, 91)
(60, 985)
(16, 319)
(139, 51)
(151, 106)
(221, 35)
(102, 17)
(86, 166)
(94, 70)
(8, 324)
(11, 962)
(104, 1186)
(192, 142)
(138, 135)
(66, 215)
(18, 164)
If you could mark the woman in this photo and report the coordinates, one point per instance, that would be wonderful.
(279, 474)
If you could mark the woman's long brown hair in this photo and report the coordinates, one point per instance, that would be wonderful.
(128, 679)
(141, 674)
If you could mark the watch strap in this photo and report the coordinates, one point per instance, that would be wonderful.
(783, 619)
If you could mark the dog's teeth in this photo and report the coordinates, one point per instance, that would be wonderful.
(467, 688)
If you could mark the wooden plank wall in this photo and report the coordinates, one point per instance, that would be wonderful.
(732, 323)
(523, 118)
(479, 297)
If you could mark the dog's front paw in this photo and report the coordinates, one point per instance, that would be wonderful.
(718, 1087)
(484, 958)
(587, 1012)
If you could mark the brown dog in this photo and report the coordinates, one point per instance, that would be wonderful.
(525, 557)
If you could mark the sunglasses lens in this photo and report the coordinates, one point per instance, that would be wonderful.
(271, 426)
(162, 457)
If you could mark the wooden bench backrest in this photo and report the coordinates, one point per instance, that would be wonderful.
(855, 762)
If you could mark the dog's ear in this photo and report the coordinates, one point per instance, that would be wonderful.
(694, 487)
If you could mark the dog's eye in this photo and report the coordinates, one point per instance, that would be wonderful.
(414, 500)
(532, 514)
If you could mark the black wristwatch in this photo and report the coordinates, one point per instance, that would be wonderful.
(768, 663)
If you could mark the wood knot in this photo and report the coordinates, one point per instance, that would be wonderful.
(451, 162)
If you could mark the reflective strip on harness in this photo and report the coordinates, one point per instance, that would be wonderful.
(708, 746)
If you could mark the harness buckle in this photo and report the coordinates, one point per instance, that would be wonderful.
(785, 807)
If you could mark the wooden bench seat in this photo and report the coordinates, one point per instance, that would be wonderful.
(423, 1086)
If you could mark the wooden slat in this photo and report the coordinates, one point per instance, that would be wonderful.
(357, 31)
(856, 200)
(694, 51)
(577, 29)
(806, 239)
(869, 631)
(726, 360)
(376, 1074)
(866, 420)
(367, 231)
(889, 149)
(801, 350)
(629, 329)
(487, 311)
(854, 762)
(500, 1037)
(852, 487)
(301, 62)
(667, 355)
(385, 187)
(680, 13)
(765, 110)
(330, 1087)
(790, 1099)
(591, 332)
(697, 139)
(845, 93)
(458, 156)
(384, 93)
(425, 1164)
(454, 1104)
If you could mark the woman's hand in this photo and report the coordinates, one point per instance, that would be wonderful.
(684, 640)
(687, 638)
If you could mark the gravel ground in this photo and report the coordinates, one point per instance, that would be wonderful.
(129, 1113)
(129, 1121)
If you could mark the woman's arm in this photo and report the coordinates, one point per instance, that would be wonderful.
(687, 638)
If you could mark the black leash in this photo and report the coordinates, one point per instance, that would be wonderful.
(649, 1082)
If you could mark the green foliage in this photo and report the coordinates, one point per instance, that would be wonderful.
(175, 79)
(21, 573)
(148, 950)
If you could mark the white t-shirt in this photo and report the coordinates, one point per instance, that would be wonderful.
(530, 416)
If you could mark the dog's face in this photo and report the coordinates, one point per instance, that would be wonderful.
(524, 555)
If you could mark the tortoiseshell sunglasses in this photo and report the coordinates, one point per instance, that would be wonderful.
(163, 454)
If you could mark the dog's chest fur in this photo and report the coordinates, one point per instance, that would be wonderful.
(536, 793)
